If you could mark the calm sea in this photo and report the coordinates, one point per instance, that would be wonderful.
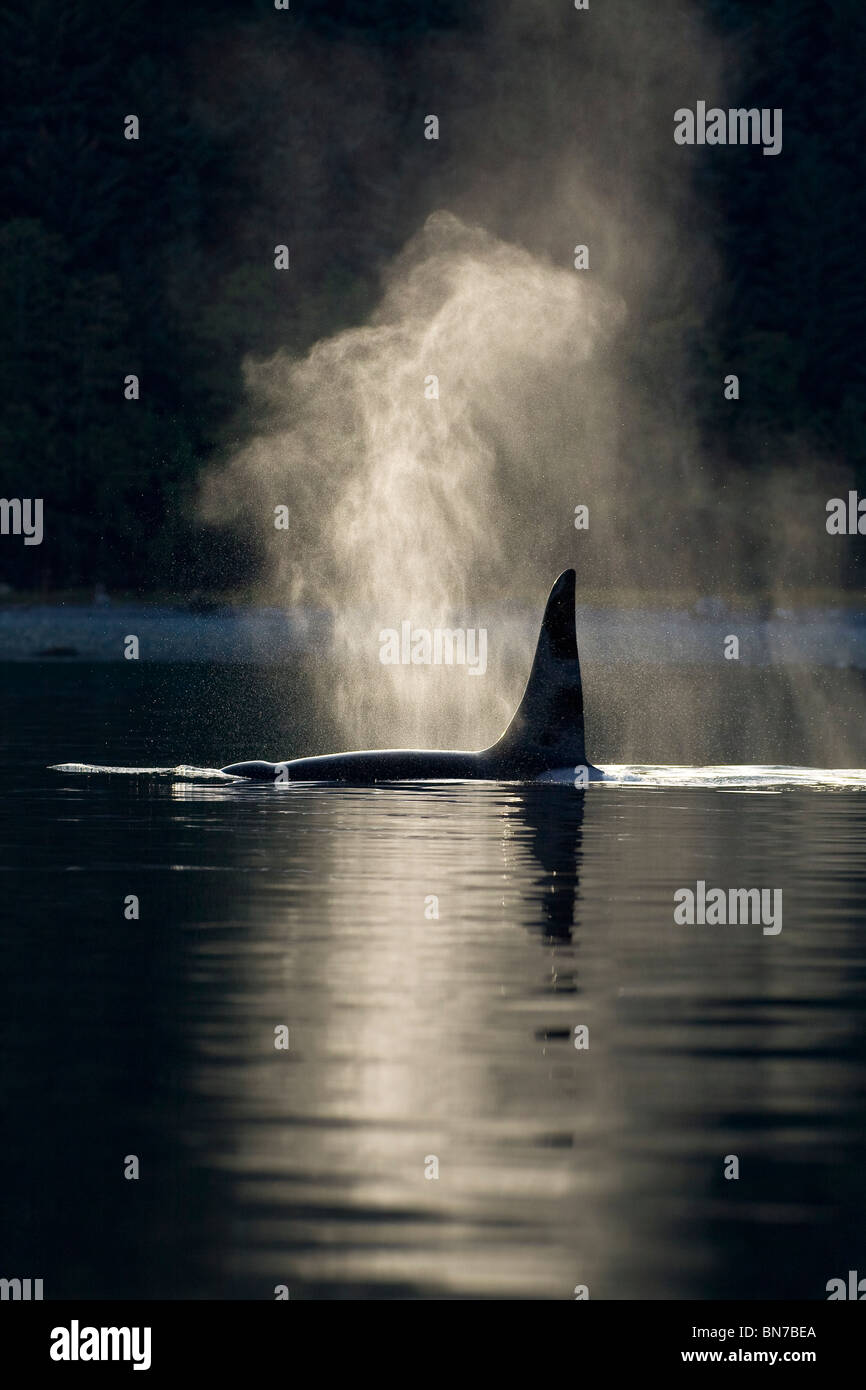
(509, 1071)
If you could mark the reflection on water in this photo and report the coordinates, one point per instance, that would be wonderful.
(415, 1035)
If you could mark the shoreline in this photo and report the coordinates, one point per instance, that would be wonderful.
(825, 637)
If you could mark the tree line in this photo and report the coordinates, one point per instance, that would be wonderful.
(157, 265)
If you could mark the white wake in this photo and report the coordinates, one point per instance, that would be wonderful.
(725, 775)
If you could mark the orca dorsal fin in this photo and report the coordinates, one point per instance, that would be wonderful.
(546, 730)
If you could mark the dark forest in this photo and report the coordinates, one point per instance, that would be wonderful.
(155, 257)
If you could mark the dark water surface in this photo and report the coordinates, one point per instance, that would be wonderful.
(413, 1037)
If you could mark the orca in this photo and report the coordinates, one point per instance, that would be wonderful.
(545, 735)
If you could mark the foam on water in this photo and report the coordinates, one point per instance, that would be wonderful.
(729, 775)
(724, 776)
(182, 773)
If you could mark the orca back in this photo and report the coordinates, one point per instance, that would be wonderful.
(546, 732)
